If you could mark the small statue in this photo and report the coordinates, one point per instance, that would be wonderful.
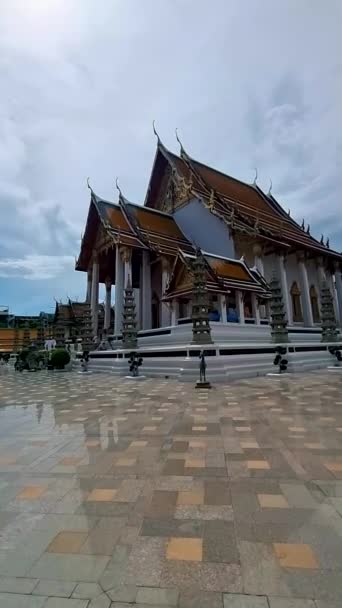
(85, 361)
(202, 382)
(135, 362)
(203, 367)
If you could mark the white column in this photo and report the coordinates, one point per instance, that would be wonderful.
(258, 261)
(127, 258)
(145, 288)
(331, 284)
(320, 271)
(108, 303)
(119, 291)
(240, 306)
(174, 311)
(305, 289)
(338, 283)
(222, 302)
(89, 280)
(284, 287)
(255, 309)
(94, 304)
(165, 310)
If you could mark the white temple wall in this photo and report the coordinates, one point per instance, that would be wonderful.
(293, 272)
(204, 229)
(312, 271)
(270, 264)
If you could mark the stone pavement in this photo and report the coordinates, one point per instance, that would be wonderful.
(153, 494)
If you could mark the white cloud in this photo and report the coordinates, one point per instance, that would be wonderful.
(36, 267)
(247, 84)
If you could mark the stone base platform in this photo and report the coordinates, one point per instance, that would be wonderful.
(225, 361)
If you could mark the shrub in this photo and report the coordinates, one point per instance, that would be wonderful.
(59, 358)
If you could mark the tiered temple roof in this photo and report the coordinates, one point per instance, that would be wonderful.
(132, 225)
(244, 207)
(222, 274)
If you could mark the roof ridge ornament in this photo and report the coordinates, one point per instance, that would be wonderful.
(256, 176)
(327, 244)
(155, 131)
(308, 229)
(289, 212)
(269, 193)
(182, 151)
(89, 186)
(303, 225)
(118, 187)
(322, 240)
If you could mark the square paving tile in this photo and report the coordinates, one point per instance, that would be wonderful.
(67, 542)
(258, 464)
(335, 467)
(249, 445)
(295, 556)
(200, 429)
(31, 493)
(185, 549)
(101, 495)
(125, 462)
(138, 444)
(70, 461)
(273, 501)
(190, 497)
(194, 463)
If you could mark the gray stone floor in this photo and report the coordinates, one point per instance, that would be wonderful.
(116, 493)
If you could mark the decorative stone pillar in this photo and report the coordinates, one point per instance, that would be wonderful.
(165, 310)
(320, 270)
(174, 311)
(119, 291)
(258, 261)
(145, 289)
(89, 281)
(127, 259)
(255, 308)
(222, 302)
(306, 302)
(94, 304)
(338, 284)
(240, 306)
(284, 287)
(108, 303)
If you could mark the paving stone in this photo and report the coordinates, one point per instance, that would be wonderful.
(157, 597)
(14, 600)
(123, 593)
(281, 602)
(57, 602)
(69, 567)
(192, 598)
(87, 591)
(54, 588)
(17, 585)
(244, 601)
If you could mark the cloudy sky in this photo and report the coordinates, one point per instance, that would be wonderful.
(248, 83)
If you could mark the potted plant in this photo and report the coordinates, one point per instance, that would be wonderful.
(59, 358)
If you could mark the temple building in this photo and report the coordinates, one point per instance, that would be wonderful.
(243, 233)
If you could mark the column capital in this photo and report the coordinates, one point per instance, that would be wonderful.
(165, 262)
(300, 256)
(126, 253)
(258, 250)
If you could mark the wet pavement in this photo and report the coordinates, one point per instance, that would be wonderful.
(151, 493)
